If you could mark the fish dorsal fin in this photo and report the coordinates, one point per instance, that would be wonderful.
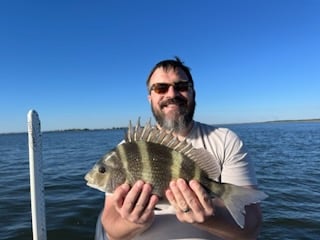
(129, 136)
(200, 156)
(206, 162)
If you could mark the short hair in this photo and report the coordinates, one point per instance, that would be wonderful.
(174, 64)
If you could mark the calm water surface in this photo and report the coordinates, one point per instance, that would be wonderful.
(286, 155)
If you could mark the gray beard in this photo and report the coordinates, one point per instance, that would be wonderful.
(178, 123)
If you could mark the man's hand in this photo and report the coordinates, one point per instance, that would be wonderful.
(135, 204)
(191, 201)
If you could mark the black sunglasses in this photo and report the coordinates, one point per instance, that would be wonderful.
(162, 88)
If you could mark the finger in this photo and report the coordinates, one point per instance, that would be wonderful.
(189, 196)
(170, 198)
(142, 212)
(119, 195)
(202, 197)
(180, 202)
(143, 199)
(132, 197)
(148, 212)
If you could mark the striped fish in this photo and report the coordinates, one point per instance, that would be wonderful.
(157, 157)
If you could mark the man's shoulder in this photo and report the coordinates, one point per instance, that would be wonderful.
(212, 133)
(210, 128)
(201, 125)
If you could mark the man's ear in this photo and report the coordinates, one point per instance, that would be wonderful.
(149, 98)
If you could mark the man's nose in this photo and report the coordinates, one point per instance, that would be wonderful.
(172, 92)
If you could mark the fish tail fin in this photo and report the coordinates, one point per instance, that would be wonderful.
(236, 198)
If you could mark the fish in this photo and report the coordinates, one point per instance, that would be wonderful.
(157, 157)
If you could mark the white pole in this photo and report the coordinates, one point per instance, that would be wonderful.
(36, 181)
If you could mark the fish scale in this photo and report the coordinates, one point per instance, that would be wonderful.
(157, 157)
(159, 164)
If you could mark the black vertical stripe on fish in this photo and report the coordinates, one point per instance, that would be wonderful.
(187, 170)
(146, 169)
(206, 181)
(160, 163)
(157, 157)
(130, 152)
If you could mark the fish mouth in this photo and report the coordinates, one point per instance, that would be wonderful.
(96, 187)
(87, 177)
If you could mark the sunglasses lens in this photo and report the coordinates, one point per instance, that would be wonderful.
(161, 88)
(182, 86)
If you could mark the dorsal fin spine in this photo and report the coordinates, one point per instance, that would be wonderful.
(149, 133)
(137, 130)
(178, 145)
(129, 139)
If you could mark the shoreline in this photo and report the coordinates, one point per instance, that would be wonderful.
(312, 120)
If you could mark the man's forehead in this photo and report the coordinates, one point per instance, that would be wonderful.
(170, 70)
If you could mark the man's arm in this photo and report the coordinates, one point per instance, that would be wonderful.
(211, 216)
(128, 212)
(223, 225)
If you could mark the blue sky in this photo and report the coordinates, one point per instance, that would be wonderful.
(83, 64)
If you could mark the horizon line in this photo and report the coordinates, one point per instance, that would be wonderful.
(114, 128)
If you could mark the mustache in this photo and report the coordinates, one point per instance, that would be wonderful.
(176, 100)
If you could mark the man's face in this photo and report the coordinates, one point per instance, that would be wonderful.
(174, 108)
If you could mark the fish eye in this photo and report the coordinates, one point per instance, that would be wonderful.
(102, 169)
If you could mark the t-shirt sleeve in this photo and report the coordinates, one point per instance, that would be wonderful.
(237, 167)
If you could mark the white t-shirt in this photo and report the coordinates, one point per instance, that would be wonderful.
(236, 168)
(228, 149)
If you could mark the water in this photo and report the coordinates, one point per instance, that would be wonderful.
(286, 155)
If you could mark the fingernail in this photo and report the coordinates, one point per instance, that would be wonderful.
(125, 186)
(173, 184)
(181, 182)
(193, 183)
(139, 183)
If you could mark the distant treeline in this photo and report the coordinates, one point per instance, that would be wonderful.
(87, 129)
(298, 120)
(124, 128)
